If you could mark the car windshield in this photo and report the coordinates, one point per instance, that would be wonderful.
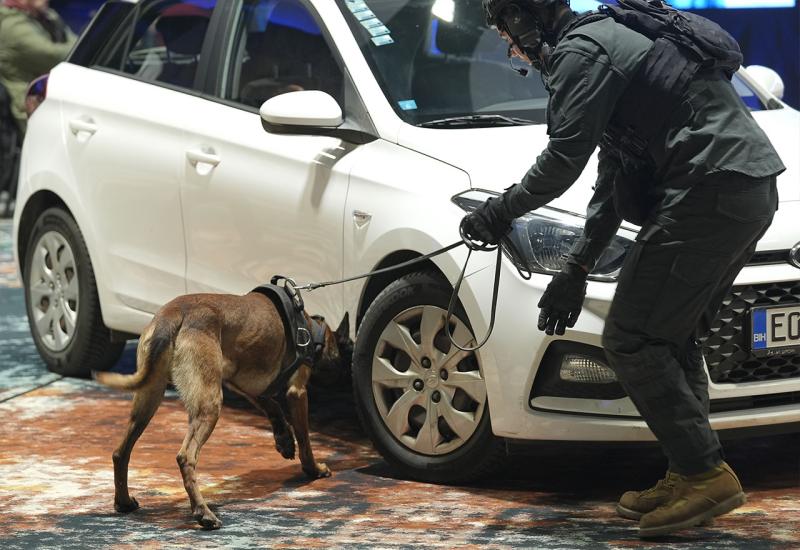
(440, 65)
(437, 59)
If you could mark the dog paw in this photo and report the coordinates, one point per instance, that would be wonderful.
(285, 446)
(320, 471)
(126, 507)
(207, 520)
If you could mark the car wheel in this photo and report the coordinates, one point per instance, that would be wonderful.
(61, 299)
(421, 400)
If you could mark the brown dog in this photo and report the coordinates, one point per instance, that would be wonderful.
(200, 342)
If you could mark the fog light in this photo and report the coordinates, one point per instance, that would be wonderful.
(579, 368)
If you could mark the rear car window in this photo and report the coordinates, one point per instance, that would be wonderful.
(106, 25)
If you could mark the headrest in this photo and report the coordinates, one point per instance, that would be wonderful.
(452, 39)
(183, 28)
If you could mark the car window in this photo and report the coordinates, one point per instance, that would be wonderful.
(167, 41)
(749, 97)
(279, 48)
(102, 33)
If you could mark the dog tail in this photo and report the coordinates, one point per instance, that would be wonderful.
(157, 339)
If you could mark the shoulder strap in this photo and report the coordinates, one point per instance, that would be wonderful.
(701, 39)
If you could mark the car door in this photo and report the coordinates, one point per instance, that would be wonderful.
(256, 204)
(125, 131)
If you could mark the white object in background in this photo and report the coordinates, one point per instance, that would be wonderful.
(768, 78)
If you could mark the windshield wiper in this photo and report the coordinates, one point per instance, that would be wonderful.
(476, 121)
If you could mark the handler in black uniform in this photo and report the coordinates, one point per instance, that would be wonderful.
(707, 195)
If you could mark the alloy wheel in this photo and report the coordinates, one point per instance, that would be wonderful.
(53, 291)
(430, 394)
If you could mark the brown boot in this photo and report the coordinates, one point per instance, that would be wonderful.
(697, 499)
(634, 504)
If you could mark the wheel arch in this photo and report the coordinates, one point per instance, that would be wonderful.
(377, 283)
(89, 345)
(36, 204)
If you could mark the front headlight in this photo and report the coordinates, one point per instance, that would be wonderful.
(545, 236)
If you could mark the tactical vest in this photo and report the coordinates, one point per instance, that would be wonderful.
(685, 45)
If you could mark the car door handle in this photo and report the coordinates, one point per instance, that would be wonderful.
(86, 125)
(198, 156)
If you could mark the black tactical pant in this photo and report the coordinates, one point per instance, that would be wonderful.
(671, 287)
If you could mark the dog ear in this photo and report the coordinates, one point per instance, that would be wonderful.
(343, 331)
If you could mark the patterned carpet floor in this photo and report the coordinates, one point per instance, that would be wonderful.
(56, 480)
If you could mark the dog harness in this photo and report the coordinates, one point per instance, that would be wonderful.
(307, 341)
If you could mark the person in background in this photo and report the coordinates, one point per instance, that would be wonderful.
(33, 39)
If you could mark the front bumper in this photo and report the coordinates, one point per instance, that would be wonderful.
(512, 357)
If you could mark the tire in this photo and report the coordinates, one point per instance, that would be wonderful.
(61, 299)
(394, 390)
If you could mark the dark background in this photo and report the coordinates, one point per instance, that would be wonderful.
(769, 37)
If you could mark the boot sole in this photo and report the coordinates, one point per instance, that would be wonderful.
(701, 519)
(627, 513)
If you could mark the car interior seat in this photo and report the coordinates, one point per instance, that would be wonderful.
(442, 65)
(284, 58)
(456, 72)
(183, 34)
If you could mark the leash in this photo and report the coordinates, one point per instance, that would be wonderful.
(314, 286)
(472, 246)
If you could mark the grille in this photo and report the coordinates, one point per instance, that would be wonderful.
(770, 257)
(726, 346)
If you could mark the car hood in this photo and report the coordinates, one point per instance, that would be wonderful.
(495, 158)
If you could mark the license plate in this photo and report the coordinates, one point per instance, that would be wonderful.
(775, 330)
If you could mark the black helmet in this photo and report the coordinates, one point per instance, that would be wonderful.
(521, 20)
(494, 9)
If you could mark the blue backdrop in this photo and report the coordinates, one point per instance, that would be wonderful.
(767, 37)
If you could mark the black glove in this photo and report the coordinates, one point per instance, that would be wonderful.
(562, 300)
(492, 220)
(488, 223)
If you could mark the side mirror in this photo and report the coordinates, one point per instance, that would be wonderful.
(295, 112)
(310, 113)
(768, 79)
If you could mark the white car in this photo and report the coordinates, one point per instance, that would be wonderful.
(204, 146)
